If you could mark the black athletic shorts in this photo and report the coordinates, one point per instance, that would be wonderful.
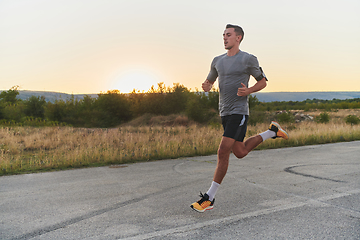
(235, 126)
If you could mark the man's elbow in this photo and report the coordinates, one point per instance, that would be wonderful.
(264, 82)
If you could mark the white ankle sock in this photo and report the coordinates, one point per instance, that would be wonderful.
(267, 134)
(212, 190)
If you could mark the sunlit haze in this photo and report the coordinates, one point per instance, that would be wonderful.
(89, 46)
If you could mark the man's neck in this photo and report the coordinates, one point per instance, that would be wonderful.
(233, 51)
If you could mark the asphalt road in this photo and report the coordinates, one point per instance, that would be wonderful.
(310, 192)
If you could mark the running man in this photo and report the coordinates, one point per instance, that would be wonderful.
(233, 70)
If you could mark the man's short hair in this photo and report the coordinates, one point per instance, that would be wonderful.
(238, 30)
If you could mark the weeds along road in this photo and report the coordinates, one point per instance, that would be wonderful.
(310, 192)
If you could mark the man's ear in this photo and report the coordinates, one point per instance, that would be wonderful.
(239, 38)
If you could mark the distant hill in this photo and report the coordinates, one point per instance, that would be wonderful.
(262, 96)
(301, 96)
(51, 96)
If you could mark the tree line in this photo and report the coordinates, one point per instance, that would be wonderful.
(113, 108)
(310, 104)
(109, 109)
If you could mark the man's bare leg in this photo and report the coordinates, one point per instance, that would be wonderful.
(241, 149)
(224, 151)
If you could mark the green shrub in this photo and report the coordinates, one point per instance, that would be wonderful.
(13, 111)
(10, 96)
(113, 109)
(257, 117)
(323, 118)
(352, 119)
(35, 107)
(285, 117)
(196, 111)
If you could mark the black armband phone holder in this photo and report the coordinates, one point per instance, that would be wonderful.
(262, 75)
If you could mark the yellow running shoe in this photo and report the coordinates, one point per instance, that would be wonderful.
(274, 126)
(203, 204)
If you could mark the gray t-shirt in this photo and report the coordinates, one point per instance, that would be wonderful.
(231, 72)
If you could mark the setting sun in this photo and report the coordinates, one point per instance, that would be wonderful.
(138, 79)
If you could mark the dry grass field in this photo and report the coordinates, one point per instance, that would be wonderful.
(31, 149)
(26, 149)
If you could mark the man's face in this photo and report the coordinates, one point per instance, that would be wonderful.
(230, 38)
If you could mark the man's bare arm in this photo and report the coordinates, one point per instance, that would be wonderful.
(259, 85)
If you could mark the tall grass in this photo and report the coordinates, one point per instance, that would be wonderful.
(29, 149)
(25, 149)
(311, 133)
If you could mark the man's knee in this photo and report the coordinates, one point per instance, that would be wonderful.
(224, 149)
(239, 150)
(240, 153)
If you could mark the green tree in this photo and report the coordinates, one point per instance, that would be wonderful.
(176, 99)
(113, 109)
(196, 110)
(213, 100)
(86, 112)
(8, 107)
(13, 111)
(56, 111)
(253, 101)
(35, 107)
(154, 100)
(10, 95)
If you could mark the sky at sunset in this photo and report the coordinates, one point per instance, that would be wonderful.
(89, 46)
